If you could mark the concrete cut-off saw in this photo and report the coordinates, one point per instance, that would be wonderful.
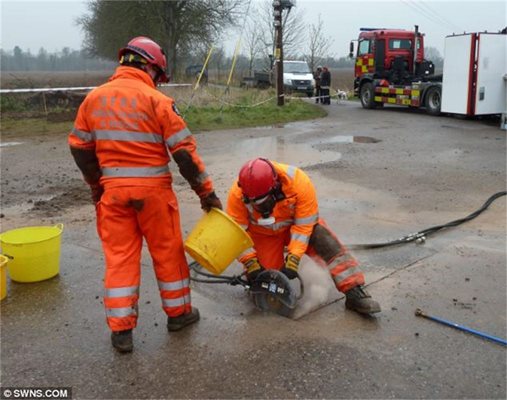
(271, 291)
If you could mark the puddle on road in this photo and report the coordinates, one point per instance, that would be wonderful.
(349, 139)
(280, 148)
(300, 148)
(8, 144)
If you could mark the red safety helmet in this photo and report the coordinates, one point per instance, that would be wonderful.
(257, 178)
(151, 52)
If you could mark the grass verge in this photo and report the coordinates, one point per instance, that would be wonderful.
(201, 117)
(229, 117)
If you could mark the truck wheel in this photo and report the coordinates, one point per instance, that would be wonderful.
(433, 100)
(367, 95)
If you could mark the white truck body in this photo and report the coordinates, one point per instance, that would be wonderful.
(473, 77)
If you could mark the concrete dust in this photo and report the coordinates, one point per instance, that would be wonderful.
(319, 288)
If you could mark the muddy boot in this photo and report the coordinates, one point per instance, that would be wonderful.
(122, 341)
(179, 322)
(359, 300)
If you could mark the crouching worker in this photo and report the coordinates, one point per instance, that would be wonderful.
(277, 205)
(123, 137)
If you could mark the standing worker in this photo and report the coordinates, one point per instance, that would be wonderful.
(325, 85)
(277, 205)
(316, 77)
(123, 136)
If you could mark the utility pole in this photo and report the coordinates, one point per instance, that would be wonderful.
(278, 7)
(277, 13)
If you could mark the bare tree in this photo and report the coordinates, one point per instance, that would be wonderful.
(253, 39)
(432, 54)
(177, 25)
(318, 44)
(217, 62)
(293, 30)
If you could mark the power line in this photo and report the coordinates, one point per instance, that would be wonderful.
(418, 11)
(432, 11)
(423, 12)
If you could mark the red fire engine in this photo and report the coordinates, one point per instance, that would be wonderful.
(390, 68)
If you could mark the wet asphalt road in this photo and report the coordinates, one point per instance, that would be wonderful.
(380, 174)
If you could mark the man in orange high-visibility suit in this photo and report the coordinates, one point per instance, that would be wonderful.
(123, 136)
(277, 205)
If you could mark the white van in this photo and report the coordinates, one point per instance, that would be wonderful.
(297, 77)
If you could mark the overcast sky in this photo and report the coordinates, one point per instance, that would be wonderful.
(52, 24)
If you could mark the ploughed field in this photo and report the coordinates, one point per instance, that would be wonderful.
(341, 78)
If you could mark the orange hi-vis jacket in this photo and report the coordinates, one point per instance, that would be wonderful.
(133, 129)
(298, 226)
(298, 212)
(128, 130)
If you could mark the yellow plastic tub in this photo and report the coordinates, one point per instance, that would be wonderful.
(3, 277)
(34, 252)
(216, 241)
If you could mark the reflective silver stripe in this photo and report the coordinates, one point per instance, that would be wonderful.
(300, 237)
(247, 251)
(307, 220)
(122, 291)
(135, 171)
(128, 136)
(291, 171)
(121, 312)
(275, 226)
(178, 137)
(180, 301)
(202, 177)
(345, 274)
(281, 224)
(83, 135)
(337, 261)
(244, 226)
(173, 285)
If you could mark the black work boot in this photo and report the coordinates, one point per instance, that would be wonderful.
(179, 322)
(122, 341)
(359, 300)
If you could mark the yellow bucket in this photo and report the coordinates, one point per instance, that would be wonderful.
(34, 252)
(3, 277)
(216, 241)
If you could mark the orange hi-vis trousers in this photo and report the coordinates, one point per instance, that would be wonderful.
(125, 215)
(324, 248)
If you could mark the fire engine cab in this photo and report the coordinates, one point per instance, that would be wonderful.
(390, 68)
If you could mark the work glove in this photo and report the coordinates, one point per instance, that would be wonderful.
(96, 191)
(210, 201)
(253, 269)
(290, 269)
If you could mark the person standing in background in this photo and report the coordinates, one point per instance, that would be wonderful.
(325, 86)
(316, 77)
